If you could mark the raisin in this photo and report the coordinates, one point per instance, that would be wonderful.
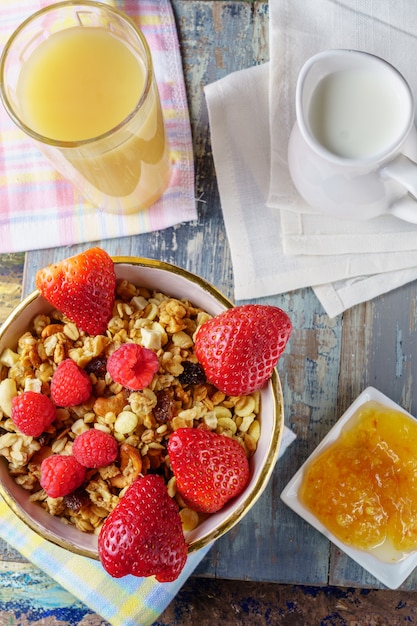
(164, 410)
(193, 374)
(77, 499)
(44, 438)
(97, 366)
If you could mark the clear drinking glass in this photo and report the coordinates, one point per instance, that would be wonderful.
(114, 147)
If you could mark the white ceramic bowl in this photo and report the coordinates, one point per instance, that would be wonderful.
(392, 571)
(178, 283)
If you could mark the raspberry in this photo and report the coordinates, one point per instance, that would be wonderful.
(70, 385)
(95, 448)
(32, 413)
(132, 366)
(60, 475)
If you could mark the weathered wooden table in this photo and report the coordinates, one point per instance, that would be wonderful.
(328, 362)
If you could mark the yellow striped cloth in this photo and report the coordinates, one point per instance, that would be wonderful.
(127, 601)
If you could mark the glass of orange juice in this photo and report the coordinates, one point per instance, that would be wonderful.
(78, 78)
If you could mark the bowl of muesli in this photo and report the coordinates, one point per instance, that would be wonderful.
(162, 306)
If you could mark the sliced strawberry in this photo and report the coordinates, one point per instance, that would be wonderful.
(143, 535)
(82, 287)
(210, 469)
(239, 348)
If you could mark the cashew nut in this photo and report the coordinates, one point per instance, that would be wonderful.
(130, 466)
(112, 404)
(52, 329)
(8, 390)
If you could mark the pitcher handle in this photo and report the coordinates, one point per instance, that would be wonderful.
(404, 171)
(405, 209)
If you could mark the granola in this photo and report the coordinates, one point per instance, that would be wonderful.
(141, 421)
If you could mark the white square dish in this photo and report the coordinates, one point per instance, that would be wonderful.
(391, 574)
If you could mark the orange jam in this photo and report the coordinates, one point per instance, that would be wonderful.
(363, 487)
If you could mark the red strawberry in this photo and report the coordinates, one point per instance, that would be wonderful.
(32, 413)
(82, 287)
(210, 469)
(143, 535)
(132, 366)
(70, 384)
(239, 348)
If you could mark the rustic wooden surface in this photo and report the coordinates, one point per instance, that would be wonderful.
(326, 365)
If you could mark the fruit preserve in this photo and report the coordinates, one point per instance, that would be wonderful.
(363, 487)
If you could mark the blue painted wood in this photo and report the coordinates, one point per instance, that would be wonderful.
(327, 363)
(231, 603)
(272, 543)
(379, 350)
(30, 596)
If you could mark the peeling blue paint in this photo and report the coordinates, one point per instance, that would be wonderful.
(71, 616)
(399, 353)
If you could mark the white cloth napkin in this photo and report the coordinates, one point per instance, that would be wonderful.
(298, 30)
(277, 243)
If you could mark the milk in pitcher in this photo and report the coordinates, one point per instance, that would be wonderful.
(355, 113)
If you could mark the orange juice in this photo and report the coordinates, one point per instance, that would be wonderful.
(80, 88)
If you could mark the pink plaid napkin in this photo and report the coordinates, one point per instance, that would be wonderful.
(38, 209)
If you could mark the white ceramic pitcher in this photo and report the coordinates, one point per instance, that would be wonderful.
(353, 149)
